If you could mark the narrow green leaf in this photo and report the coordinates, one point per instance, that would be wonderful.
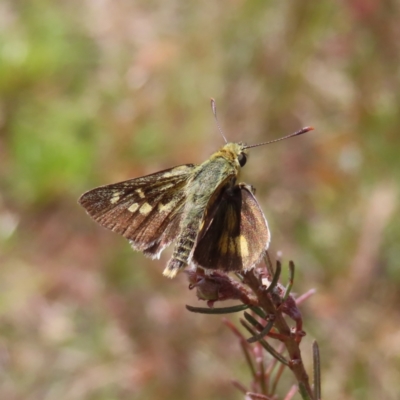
(276, 277)
(303, 392)
(263, 333)
(317, 371)
(224, 310)
(291, 280)
(266, 345)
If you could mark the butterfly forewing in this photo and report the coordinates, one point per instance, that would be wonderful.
(170, 233)
(145, 210)
(236, 234)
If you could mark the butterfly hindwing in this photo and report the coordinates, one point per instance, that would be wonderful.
(236, 233)
(144, 210)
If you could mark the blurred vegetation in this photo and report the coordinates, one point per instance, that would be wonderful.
(92, 92)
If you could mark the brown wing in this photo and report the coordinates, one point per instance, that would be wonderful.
(237, 236)
(145, 210)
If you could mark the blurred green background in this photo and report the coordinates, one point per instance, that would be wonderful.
(96, 91)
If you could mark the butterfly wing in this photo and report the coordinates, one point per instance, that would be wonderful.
(236, 233)
(145, 210)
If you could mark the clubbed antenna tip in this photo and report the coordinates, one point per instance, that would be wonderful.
(300, 132)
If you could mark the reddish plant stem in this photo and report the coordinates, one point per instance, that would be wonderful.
(289, 340)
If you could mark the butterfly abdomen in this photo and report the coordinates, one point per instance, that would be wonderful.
(190, 225)
(182, 251)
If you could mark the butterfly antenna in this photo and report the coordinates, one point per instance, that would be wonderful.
(300, 132)
(214, 110)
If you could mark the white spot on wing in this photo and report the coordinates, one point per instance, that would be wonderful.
(166, 207)
(145, 209)
(133, 207)
(140, 193)
(115, 197)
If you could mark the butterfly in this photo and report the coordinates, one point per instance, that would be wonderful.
(216, 223)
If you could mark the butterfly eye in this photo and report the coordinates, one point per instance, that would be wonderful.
(242, 159)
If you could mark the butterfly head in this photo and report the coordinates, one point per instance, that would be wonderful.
(236, 153)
